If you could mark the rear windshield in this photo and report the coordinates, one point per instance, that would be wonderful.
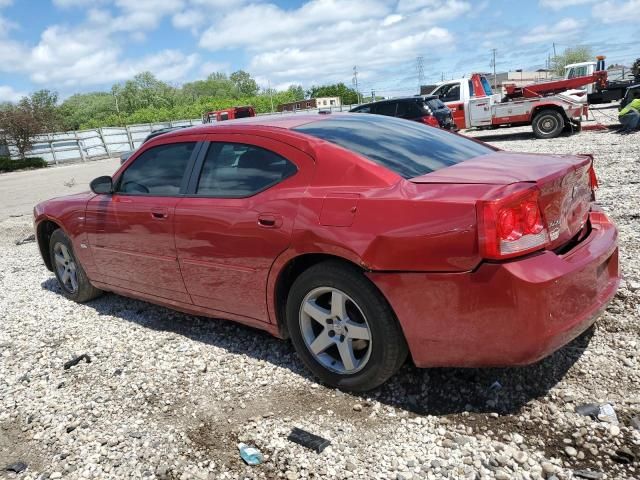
(408, 148)
(435, 104)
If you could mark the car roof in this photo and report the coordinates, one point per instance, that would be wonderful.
(280, 121)
(401, 99)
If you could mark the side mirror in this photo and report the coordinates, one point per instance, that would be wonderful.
(102, 185)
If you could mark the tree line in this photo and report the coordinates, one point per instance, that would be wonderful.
(145, 99)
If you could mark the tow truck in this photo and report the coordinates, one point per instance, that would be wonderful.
(604, 92)
(541, 105)
(228, 114)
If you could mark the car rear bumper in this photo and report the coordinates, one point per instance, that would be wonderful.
(511, 313)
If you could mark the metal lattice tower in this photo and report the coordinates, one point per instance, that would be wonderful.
(420, 71)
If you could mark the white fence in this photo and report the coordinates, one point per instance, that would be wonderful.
(105, 142)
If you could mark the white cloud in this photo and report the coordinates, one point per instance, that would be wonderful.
(564, 29)
(560, 4)
(87, 56)
(8, 94)
(614, 12)
(323, 39)
(5, 3)
(391, 19)
(207, 68)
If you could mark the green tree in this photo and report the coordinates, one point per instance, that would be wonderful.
(570, 55)
(244, 83)
(347, 95)
(296, 91)
(89, 109)
(20, 125)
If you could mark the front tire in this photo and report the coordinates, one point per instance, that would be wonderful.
(343, 329)
(70, 275)
(548, 124)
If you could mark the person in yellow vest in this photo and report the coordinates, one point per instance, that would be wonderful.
(629, 116)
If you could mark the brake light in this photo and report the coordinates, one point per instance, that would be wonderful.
(429, 120)
(512, 225)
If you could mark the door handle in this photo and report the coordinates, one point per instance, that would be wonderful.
(269, 220)
(159, 213)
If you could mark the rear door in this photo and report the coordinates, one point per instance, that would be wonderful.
(130, 232)
(237, 218)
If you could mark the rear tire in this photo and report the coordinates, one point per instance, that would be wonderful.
(70, 275)
(343, 329)
(548, 124)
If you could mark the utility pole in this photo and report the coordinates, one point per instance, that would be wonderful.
(373, 95)
(270, 94)
(355, 81)
(554, 49)
(420, 72)
(442, 77)
(493, 64)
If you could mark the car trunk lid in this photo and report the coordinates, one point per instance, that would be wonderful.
(564, 182)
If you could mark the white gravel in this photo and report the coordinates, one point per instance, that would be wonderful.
(169, 396)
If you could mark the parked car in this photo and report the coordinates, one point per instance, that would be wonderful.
(161, 131)
(359, 237)
(428, 109)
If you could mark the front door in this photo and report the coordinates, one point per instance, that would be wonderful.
(237, 218)
(131, 232)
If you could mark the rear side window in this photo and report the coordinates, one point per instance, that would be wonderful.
(409, 110)
(388, 108)
(408, 148)
(235, 170)
(157, 171)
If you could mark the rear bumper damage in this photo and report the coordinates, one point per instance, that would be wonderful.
(511, 313)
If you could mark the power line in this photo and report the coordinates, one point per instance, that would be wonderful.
(420, 71)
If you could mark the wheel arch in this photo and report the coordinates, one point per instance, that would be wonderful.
(549, 106)
(291, 269)
(44, 230)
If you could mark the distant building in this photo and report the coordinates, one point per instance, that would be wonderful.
(320, 102)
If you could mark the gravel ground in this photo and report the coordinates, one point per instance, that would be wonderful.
(169, 396)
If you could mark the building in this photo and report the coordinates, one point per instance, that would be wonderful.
(320, 102)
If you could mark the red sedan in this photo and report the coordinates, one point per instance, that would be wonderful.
(360, 237)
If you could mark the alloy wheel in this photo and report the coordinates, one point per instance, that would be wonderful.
(65, 267)
(335, 330)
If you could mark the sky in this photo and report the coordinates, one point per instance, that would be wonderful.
(74, 46)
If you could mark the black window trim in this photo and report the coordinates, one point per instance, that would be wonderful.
(194, 179)
(185, 176)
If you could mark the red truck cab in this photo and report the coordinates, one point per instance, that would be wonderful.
(229, 114)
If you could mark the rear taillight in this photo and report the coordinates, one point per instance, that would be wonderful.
(512, 225)
(429, 120)
(593, 178)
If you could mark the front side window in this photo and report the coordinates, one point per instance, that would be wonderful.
(235, 170)
(158, 171)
